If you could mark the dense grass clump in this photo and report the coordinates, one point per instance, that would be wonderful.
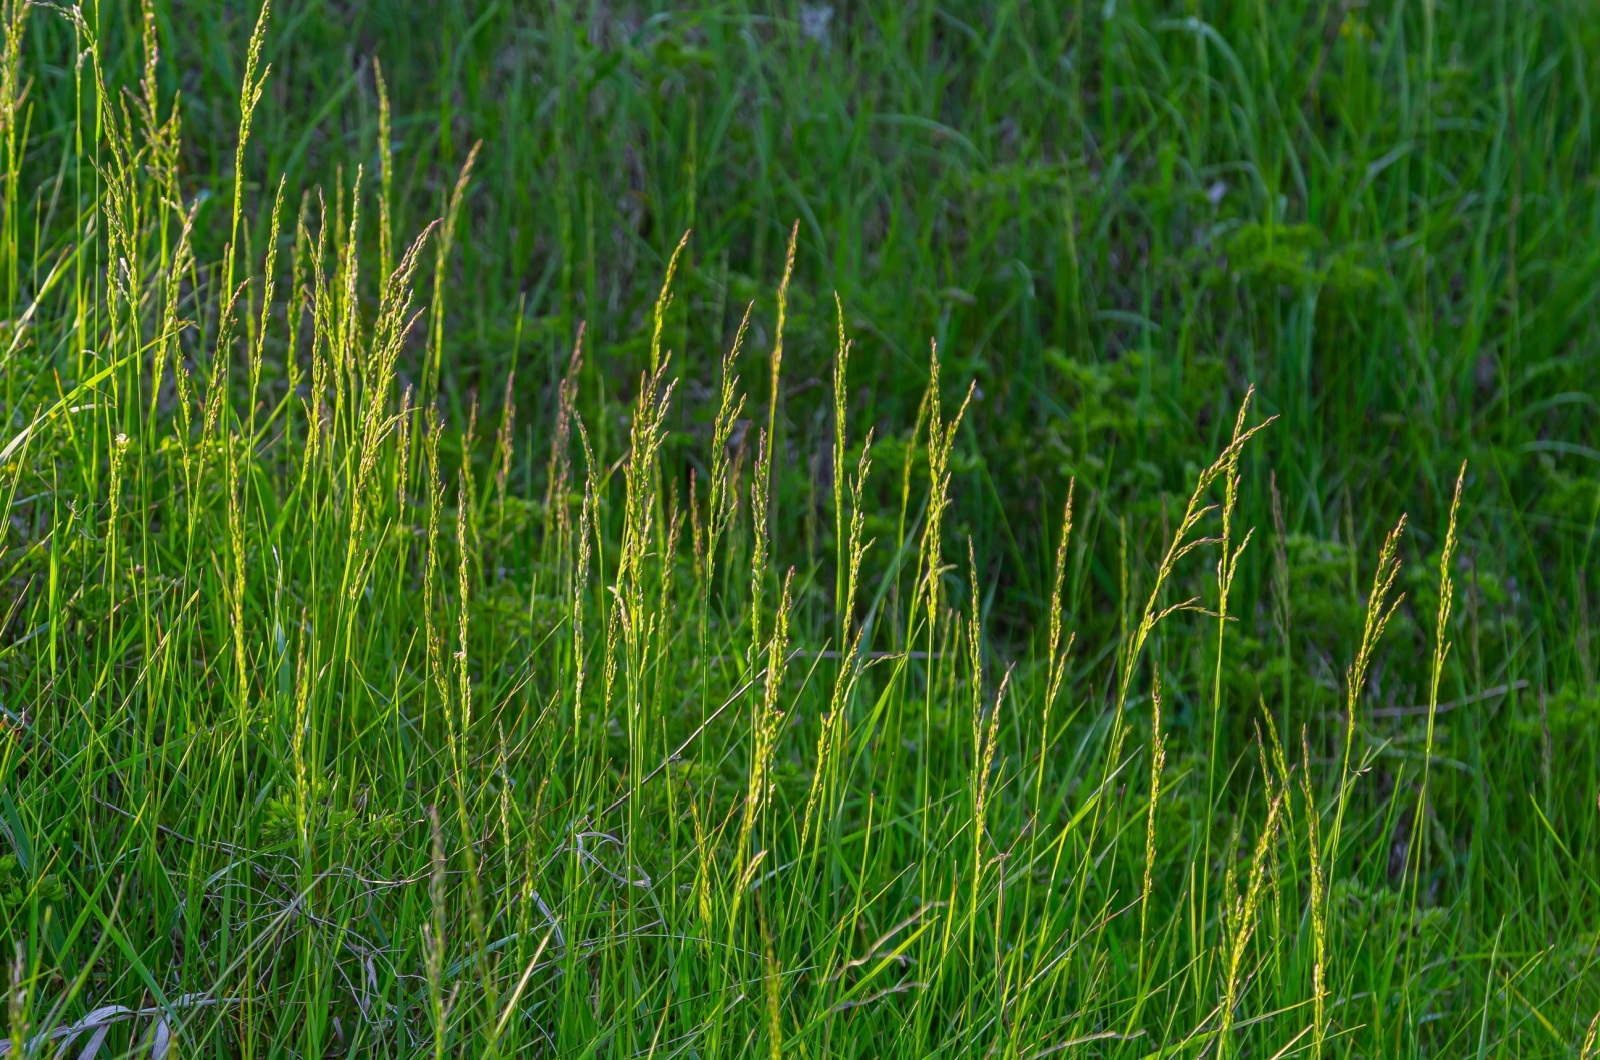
(482, 579)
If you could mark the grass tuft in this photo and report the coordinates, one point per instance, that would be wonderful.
(419, 661)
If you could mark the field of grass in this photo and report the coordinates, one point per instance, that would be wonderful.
(1010, 530)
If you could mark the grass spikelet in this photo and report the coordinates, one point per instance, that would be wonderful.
(558, 474)
(1181, 544)
(434, 941)
(503, 439)
(841, 369)
(664, 302)
(1158, 761)
(1316, 905)
(761, 481)
(774, 995)
(1587, 1050)
(1057, 651)
(985, 738)
(385, 173)
(776, 360)
(441, 261)
(165, 354)
(1380, 609)
(255, 78)
(433, 640)
(723, 499)
(764, 724)
(851, 661)
(941, 441)
(1242, 918)
(580, 587)
(14, 17)
(1441, 644)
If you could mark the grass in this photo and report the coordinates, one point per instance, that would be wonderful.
(441, 618)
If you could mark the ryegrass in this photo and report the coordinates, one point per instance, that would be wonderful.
(418, 640)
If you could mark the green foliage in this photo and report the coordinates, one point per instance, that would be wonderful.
(392, 664)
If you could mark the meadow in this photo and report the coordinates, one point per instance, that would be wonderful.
(1020, 529)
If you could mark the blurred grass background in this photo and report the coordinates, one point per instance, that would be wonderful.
(1114, 216)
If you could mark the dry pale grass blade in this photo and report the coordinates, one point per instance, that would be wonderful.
(98, 1022)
